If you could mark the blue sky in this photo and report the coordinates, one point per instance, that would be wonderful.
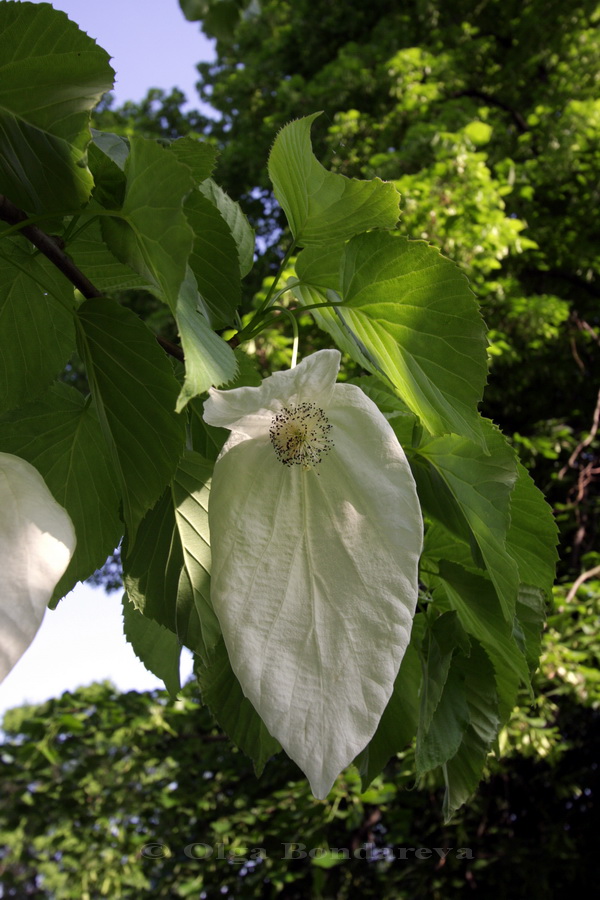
(150, 42)
(82, 641)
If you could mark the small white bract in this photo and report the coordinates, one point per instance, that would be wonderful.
(316, 533)
(37, 541)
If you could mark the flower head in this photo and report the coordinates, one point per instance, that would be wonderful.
(316, 533)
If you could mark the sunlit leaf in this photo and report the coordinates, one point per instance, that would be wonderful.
(478, 487)
(191, 489)
(408, 315)
(209, 360)
(322, 207)
(239, 226)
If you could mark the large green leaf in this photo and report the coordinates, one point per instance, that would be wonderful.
(51, 77)
(398, 723)
(233, 711)
(532, 535)
(90, 253)
(443, 715)
(463, 772)
(447, 727)
(107, 157)
(209, 360)
(166, 569)
(474, 599)
(441, 640)
(197, 155)
(151, 233)
(60, 435)
(322, 207)
(135, 391)
(157, 647)
(36, 323)
(239, 226)
(408, 314)
(191, 489)
(214, 260)
(152, 565)
(480, 486)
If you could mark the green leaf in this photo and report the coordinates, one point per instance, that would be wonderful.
(410, 315)
(191, 489)
(532, 535)
(443, 715)
(531, 615)
(480, 486)
(152, 565)
(166, 568)
(322, 207)
(223, 695)
(398, 723)
(441, 543)
(60, 435)
(442, 638)
(157, 647)
(445, 732)
(51, 77)
(110, 182)
(90, 254)
(207, 440)
(197, 155)
(463, 772)
(114, 146)
(36, 323)
(135, 391)
(151, 233)
(214, 260)
(209, 360)
(474, 599)
(239, 226)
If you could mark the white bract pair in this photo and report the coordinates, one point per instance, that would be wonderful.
(37, 541)
(316, 532)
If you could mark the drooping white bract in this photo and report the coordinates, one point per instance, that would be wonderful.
(316, 533)
(37, 541)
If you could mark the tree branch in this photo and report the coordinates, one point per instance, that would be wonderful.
(52, 250)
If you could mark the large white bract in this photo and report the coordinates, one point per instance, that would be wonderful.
(316, 532)
(37, 541)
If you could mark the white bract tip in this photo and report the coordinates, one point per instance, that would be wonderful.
(316, 533)
(37, 541)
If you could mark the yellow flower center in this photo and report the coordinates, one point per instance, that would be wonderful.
(300, 435)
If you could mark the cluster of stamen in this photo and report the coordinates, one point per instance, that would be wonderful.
(300, 435)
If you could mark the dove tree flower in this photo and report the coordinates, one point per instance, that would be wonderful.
(316, 532)
(37, 541)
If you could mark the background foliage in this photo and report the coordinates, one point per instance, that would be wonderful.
(486, 117)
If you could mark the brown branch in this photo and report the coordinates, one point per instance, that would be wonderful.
(583, 444)
(591, 573)
(52, 250)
